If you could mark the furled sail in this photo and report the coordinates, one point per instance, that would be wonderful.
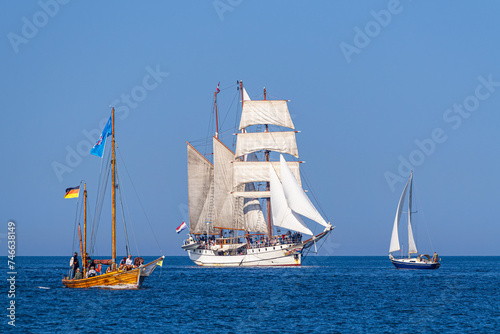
(395, 238)
(282, 215)
(266, 112)
(252, 212)
(258, 171)
(223, 176)
(296, 197)
(412, 247)
(283, 142)
(200, 190)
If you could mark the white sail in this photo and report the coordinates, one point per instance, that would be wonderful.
(296, 197)
(283, 142)
(266, 112)
(412, 247)
(252, 194)
(200, 190)
(245, 95)
(394, 246)
(282, 215)
(224, 201)
(252, 212)
(258, 171)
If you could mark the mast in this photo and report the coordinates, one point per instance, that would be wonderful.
(268, 184)
(113, 191)
(84, 253)
(216, 118)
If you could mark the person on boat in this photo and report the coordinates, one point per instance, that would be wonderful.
(122, 263)
(75, 263)
(138, 261)
(92, 272)
(129, 263)
(435, 258)
(78, 274)
(108, 270)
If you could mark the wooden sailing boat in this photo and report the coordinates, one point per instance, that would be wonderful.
(227, 224)
(116, 277)
(422, 261)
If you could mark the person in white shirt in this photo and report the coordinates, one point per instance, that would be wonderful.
(129, 263)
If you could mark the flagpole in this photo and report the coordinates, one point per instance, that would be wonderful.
(113, 190)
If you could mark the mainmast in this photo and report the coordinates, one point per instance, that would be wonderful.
(268, 184)
(113, 191)
(216, 118)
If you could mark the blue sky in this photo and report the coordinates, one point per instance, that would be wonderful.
(375, 86)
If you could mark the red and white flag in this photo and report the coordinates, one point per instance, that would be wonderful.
(181, 227)
(218, 90)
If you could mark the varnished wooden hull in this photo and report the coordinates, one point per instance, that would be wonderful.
(131, 279)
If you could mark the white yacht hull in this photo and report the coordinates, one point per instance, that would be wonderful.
(282, 255)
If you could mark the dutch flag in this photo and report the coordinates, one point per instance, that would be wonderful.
(181, 227)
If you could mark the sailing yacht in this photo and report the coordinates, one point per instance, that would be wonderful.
(422, 261)
(226, 219)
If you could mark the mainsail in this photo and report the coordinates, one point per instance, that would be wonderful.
(412, 247)
(200, 190)
(394, 246)
(223, 177)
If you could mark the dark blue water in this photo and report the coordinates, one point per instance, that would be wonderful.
(326, 295)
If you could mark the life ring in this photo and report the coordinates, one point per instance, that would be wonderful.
(98, 268)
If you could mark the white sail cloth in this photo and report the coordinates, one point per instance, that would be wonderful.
(412, 247)
(283, 142)
(258, 171)
(223, 176)
(394, 246)
(266, 112)
(296, 197)
(252, 212)
(282, 215)
(200, 190)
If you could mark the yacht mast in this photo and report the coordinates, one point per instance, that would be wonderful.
(113, 191)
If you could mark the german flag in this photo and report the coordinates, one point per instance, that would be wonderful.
(72, 192)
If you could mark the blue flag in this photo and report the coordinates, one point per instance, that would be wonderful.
(98, 148)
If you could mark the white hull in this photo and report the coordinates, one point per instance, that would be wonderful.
(282, 255)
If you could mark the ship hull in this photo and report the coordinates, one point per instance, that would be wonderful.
(282, 255)
(413, 264)
(131, 279)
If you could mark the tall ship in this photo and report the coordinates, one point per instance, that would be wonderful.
(247, 207)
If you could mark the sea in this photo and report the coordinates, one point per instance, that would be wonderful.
(325, 295)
